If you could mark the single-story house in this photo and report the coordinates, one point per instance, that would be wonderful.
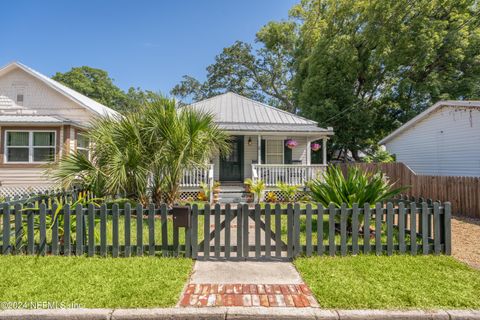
(443, 140)
(267, 143)
(41, 120)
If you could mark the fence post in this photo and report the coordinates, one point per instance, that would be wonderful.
(79, 229)
(246, 218)
(378, 228)
(115, 239)
(366, 228)
(194, 233)
(436, 224)
(67, 229)
(54, 228)
(343, 230)
(43, 229)
(91, 230)
(290, 230)
(6, 228)
(448, 228)
(296, 223)
(331, 230)
(19, 232)
(127, 229)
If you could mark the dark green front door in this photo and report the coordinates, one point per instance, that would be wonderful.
(231, 167)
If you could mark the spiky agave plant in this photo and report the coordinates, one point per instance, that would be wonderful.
(357, 187)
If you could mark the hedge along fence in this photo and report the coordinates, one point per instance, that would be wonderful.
(280, 233)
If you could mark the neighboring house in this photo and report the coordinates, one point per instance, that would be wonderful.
(40, 120)
(443, 140)
(259, 146)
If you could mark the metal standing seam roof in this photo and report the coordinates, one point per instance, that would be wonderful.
(69, 93)
(234, 112)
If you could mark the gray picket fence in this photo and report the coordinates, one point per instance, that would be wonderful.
(230, 232)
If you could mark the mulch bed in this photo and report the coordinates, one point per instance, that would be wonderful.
(466, 240)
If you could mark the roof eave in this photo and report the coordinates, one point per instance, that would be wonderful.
(426, 113)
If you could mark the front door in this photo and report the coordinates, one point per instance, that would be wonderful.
(231, 166)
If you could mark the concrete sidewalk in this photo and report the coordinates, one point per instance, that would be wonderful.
(236, 313)
(252, 272)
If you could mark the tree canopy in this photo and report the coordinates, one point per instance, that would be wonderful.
(362, 67)
(365, 67)
(263, 74)
(97, 85)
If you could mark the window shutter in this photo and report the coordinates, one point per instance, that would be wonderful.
(287, 153)
(262, 151)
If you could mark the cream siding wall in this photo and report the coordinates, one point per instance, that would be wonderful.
(24, 177)
(446, 143)
(39, 99)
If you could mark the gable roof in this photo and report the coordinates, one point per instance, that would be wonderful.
(71, 94)
(425, 114)
(238, 113)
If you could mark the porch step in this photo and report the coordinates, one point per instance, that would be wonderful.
(232, 197)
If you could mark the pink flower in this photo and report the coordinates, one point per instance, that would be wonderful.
(291, 143)
(315, 146)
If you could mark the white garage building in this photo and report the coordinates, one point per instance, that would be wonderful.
(443, 140)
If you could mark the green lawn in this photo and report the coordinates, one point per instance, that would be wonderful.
(396, 282)
(94, 282)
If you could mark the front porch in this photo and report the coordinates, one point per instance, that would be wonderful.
(265, 157)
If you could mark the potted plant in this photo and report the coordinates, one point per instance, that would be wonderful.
(288, 191)
(216, 191)
(258, 187)
(247, 185)
(315, 146)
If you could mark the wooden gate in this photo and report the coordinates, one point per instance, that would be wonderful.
(240, 233)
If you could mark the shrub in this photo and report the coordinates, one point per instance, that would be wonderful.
(288, 191)
(271, 197)
(358, 187)
(257, 188)
(380, 156)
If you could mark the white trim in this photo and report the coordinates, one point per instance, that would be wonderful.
(30, 147)
(426, 113)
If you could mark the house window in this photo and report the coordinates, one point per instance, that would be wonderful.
(20, 99)
(83, 144)
(30, 146)
(274, 151)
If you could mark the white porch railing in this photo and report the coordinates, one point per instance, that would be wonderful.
(291, 174)
(194, 177)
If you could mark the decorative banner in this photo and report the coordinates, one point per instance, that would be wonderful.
(291, 143)
(315, 146)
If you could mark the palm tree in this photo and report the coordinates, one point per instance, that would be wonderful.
(145, 152)
(183, 139)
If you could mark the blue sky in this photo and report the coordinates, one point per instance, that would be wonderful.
(147, 44)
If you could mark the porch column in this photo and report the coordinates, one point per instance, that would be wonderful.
(309, 152)
(259, 149)
(324, 150)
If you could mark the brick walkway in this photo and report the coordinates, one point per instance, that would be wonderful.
(248, 295)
